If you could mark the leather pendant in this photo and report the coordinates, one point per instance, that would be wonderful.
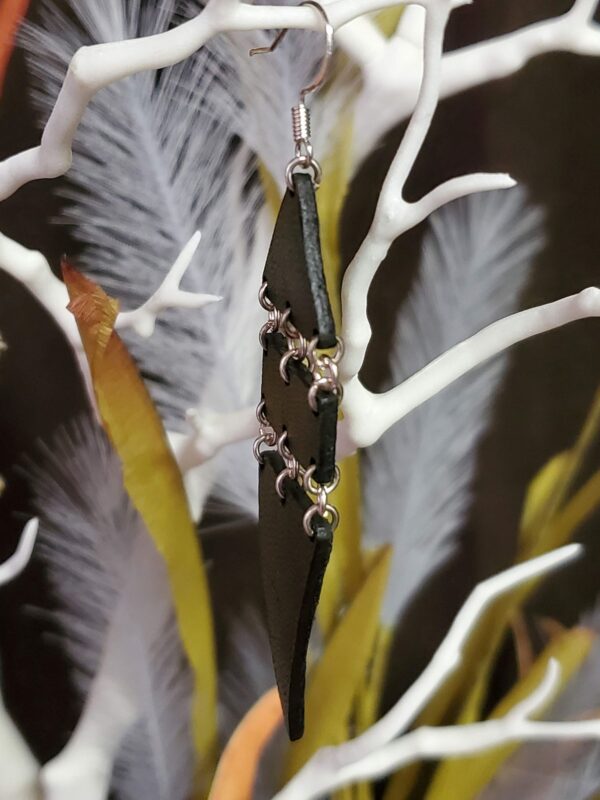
(293, 567)
(300, 414)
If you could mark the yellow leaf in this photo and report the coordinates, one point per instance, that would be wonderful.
(368, 704)
(337, 676)
(468, 776)
(155, 486)
(387, 20)
(330, 203)
(552, 486)
(539, 496)
(238, 766)
(366, 709)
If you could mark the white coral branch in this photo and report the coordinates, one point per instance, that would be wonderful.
(369, 415)
(392, 73)
(394, 215)
(93, 68)
(33, 270)
(466, 740)
(14, 565)
(366, 415)
(168, 295)
(18, 767)
(377, 751)
(574, 32)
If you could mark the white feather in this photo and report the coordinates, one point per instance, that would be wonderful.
(151, 166)
(476, 259)
(116, 611)
(266, 87)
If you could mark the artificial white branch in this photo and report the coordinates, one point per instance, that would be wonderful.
(574, 32)
(194, 450)
(369, 415)
(32, 269)
(168, 295)
(93, 68)
(14, 565)
(392, 75)
(18, 767)
(467, 740)
(375, 752)
(394, 215)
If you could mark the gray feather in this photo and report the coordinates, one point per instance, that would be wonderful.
(112, 589)
(151, 165)
(476, 259)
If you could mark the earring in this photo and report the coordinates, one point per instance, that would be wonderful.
(297, 414)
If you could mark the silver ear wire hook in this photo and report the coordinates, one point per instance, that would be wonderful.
(301, 129)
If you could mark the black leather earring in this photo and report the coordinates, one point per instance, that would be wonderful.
(297, 417)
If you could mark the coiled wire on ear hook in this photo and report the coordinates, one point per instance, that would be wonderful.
(301, 126)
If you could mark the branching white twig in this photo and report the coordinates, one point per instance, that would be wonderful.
(168, 295)
(93, 68)
(18, 767)
(392, 70)
(14, 565)
(467, 740)
(375, 752)
(394, 215)
(366, 415)
(34, 272)
(369, 415)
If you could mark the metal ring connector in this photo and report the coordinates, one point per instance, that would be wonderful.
(312, 487)
(331, 515)
(305, 162)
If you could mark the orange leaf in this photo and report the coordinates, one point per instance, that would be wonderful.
(11, 14)
(238, 767)
(154, 483)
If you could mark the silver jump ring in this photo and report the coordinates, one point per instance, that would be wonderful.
(263, 299)
(305, 162)
(264, 438)
(334, 520)
(279, 483)
(313, 487)
(283, 364)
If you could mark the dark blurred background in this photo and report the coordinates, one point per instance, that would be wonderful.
(541, 125)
